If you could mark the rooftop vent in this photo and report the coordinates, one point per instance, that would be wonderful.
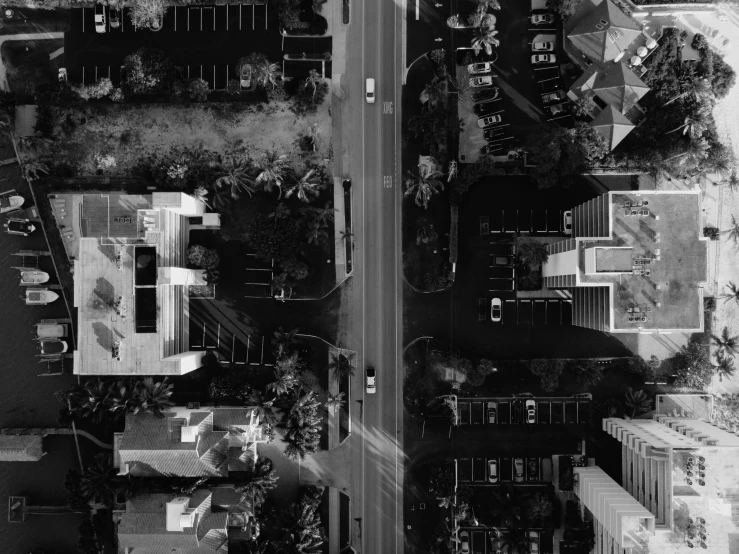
(189, 433)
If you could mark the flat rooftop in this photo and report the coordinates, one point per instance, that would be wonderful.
(661, 235)
(111, 215)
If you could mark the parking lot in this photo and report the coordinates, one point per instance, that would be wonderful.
(202, 41)
(258, 276)
(502, 411)
(523, 220)
(515, 469)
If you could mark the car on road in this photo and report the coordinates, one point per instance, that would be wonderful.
(464, 542)
(493, 471)
(518, 470)
(485, 109)
(502, 260)
(100, 25)
(556, 96)
(478, 82)
(494, 92)
(532, 469)
(517, 408)
(369, 90)
(484, 122)
(479, 68)
(550, 85)
(538, 59)
(567, 217)
(485, 94)
(115, 18)
(533, 537)
(496, 311)
(492, 411)
(542, 19)
(491, 149)
(557, 109)
(245, 73)
(542, 47)
(530, 411)
(371, 378)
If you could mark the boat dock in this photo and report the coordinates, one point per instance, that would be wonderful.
(19, 510)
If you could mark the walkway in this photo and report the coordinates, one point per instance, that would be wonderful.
(23, 36)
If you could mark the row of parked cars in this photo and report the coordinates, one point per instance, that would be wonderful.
(532, 469)
(497, 543)
(484, 96)
(518, 409)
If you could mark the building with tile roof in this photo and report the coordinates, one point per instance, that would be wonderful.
(603, 40)
(203, 442)
(134, 248)
(203, 522)
(636, 262)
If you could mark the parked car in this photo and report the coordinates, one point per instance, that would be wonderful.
(533, 469)
(491, 149)
(556, 96)
(115, 18)
(533, 537)
(530, 411)
(502, 260)
(100, 25)
(492, 411)
(492, 95)
(567, 222)
(517, 408)
(550, 85)
(557, 109)
(542, 19)
(369, 87)
(485, 109)
(464, 542)
(477, 82)
(496, 310)
(518, 470)
(485, 94)
(479, 68)
(371, 377)
(493, 471)
(488, 121)
(542, 47)
(246, 71)
(538, 59)
(509, 156)
(489, 134)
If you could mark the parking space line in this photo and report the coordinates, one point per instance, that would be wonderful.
(188, 28)
(218, 337)
(543, 68)
(266, 14)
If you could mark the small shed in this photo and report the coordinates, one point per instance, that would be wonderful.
(25, 120)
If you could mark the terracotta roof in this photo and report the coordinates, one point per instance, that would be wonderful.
(620, 87)
(603, 31)
(612, 125)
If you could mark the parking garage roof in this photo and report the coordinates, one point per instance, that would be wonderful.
(663, 287)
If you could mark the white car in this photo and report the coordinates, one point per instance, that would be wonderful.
(100, 26)
(542, 19)
(537, 59)
(493, 471)
(478, 68)
(533, 537)
(246, 71)
(371, 376)
(488, 121)
(464, 542)
(477, 82)
(530, 412)
(543, 47)
(369, 93)
(568, 222)
(496, 311)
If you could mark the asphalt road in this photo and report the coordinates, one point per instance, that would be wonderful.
(373, 139)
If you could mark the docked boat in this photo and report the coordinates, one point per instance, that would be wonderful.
(40, 296)
(53, 347)
(33, 277)
(9, 203)
(51, 330)
(15, 226)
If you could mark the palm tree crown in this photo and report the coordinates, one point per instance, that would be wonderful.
(342, 365)
(235, 177)
(484, 38)
(424, 185)
(306, 187)
(272, 171)
(726, 343)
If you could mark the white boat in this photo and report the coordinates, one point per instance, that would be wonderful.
(53, 347)
(10, 203)
(51, 330)
(40, 296)
(15, 226)
(33, 277)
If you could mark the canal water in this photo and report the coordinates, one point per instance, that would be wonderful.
(27, 400)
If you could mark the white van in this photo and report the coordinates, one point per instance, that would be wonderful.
(370, 91)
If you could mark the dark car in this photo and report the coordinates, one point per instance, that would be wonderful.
(502, 260)
(550, 85)
(485, 94)
(115, 18)
(491, 149)
(532, 469)
(490, 134)
(485, 109)
(517, 411)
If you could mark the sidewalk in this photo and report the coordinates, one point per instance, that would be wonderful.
(23, 36)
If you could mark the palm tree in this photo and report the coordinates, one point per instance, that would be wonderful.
(284, 382)
(97, 481)
(510, 505)
(234, 176)
(322, 216)
(734, 290)
(732, 181)
(426, 232)
(262, 480)
(694, 124)
(696, 152)
(300, 529)
(435, 281)
(484, 39)
(637, 401)
(283, 341)
(531, 251)
(305, 187)
(733, 232)
(342, 365)
(262, 408)
(280, 286)
(315, 233)
(727, 344)
(486, 5)
(313, 80)
(724, 366)
(434, 91)
(272, 171)
(33, 170)
(335, 401)
(588, 372)
(151, 397)
(267, 73)
(424, 185)
(347, 235)
(691, 84)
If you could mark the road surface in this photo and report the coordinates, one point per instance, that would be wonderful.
(374, 50)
